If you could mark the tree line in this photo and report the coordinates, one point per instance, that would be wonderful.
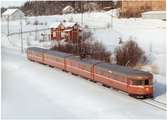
(36, 8)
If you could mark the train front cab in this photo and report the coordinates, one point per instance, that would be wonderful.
(140, 88)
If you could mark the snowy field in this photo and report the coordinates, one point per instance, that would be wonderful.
(34, 91)
(149, 33)
(54, 98)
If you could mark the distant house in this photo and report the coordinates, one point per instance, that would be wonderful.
(68, 9)
(65, 30)
(140, 6)
(154, 15)
(56, 31)
(12, 14)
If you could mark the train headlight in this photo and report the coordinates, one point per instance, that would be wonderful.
(147, 89)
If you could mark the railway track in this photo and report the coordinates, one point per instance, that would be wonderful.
(155, 103)
(149, 101)
(152, 102)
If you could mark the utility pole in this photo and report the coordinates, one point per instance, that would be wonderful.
(36, 28)
(112, 19)
(8, 26)
(36, 23)
(82, 12)
(21, 34)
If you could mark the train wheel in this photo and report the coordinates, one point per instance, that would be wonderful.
(31, 60)
(149, 96)
(114, 88)
(91, 80)
(137, 96)
(50, 66)
(106, 86)
(74, 74)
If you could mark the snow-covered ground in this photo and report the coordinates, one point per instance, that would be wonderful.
(150, 34)
(34, 91)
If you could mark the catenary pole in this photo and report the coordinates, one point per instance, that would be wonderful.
(21, 34)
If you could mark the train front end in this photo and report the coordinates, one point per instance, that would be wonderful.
(141, 86)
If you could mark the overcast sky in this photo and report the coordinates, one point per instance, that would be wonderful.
(8, 3)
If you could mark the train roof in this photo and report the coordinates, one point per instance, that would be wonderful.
(37, 49)
(90, 61)
(85, 60)
(58, 53)
(126, 71)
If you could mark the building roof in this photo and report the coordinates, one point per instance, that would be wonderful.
(65, 24)
(55, 25)
(67, 8)
(67, 30)
(10, 11)
(155, 12)
(69, 24)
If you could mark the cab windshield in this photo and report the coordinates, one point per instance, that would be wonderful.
(140, 82)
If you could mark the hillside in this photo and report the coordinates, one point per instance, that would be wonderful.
(33, 8)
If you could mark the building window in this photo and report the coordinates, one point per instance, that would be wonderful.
(54, 34)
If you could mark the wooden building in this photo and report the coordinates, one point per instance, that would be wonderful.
(56, 31)
(68, 9)
(69, 31)
(12, 14)
(139, 6)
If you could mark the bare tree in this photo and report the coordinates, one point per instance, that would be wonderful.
(129, 54)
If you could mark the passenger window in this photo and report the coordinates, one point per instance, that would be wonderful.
(140, 82)
(136, 82)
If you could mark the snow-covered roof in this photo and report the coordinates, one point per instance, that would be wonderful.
(69, 24)
(155, 12)
(9, 11)
(68, 7)
(55, 25)
(65, 24)
(68, 30)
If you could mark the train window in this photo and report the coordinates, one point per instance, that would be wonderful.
(140, 82)
(146, 82)
(137, 82)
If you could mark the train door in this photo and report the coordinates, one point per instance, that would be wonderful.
(129, 82)
(92, 72)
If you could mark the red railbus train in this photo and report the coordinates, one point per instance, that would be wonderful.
(136, 83)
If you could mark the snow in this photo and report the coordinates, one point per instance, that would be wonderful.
(154, 15)
(69, 24)
(34, 91)
(67, 8)
(9, 11)
(65, 24)
(160, 88)
(148, 33)
(55, 25)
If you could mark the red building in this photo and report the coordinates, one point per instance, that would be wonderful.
(56, 30)
(65, 30)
